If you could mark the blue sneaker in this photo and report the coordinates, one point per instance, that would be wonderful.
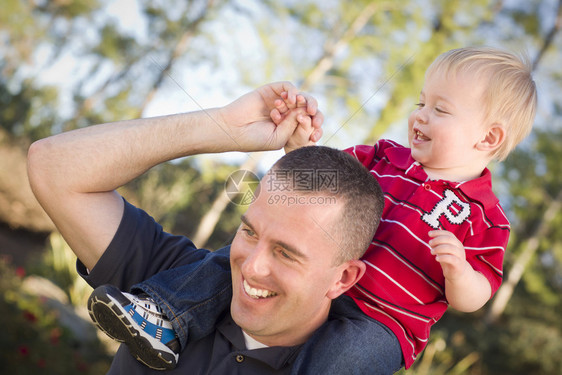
(139, 323)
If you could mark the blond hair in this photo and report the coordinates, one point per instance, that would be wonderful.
(510, 97)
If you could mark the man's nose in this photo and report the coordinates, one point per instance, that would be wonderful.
(258, 262)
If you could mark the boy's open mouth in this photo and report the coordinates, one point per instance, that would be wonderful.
(420, 136)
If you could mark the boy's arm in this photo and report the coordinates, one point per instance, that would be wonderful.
(466, 290)
(74, 175)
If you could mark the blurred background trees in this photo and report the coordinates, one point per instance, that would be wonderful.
(66, 64)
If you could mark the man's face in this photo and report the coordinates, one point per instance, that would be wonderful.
(283, 268)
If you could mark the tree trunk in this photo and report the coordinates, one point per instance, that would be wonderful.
(506, 290)
(209, 221)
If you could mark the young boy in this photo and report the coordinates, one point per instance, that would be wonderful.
(442, 236)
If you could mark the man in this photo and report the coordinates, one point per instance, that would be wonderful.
(290, 257)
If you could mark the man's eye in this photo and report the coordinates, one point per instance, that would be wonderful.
(248, 232)
(286, 255)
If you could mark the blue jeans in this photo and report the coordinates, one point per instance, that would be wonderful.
(194, 297)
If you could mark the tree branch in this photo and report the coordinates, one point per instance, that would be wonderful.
(550, 35)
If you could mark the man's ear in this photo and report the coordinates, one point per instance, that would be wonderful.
(493, 139)
(351, 272)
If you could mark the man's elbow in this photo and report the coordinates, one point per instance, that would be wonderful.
(38, 169)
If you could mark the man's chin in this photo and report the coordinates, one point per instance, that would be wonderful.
(248, 324)
(249, 318)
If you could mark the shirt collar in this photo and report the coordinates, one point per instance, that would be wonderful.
(275, 356)
(478, 189)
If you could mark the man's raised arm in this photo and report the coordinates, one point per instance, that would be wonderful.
(74, 175)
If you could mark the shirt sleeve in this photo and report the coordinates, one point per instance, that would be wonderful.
(139, 250)
(485, 252)
(371, 155)
(365, 154)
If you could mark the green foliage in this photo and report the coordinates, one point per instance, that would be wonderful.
(534, 176)
(69, 9)
(27, 112)
(58, 264)
(522, 343)
(115, 46)
(523, 346)
(33, 341)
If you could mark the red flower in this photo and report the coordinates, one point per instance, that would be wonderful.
(29, 316)
(41, 362)
(23, 350)
(20, 272)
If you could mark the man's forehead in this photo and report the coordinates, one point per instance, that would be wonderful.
(292, 218)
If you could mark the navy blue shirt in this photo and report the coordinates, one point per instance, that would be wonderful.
(141, 249)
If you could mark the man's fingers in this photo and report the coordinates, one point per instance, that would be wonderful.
(281, 106)
(276, 116)
(291, 96)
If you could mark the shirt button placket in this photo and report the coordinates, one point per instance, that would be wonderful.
(239, 358)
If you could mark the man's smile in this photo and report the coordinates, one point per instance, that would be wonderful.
(257, 293)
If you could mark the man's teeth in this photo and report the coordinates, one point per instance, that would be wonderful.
(257, 293)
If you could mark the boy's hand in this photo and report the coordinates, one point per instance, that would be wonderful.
(288, 102)
(465, 288)
(450, 253)
(303, 129)
(302, 134)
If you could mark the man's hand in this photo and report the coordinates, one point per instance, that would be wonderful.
(254, 121)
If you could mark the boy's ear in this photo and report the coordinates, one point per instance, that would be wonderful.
(493, 138)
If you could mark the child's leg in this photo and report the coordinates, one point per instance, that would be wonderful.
(349, 343)
(136, 322)
(193, 297)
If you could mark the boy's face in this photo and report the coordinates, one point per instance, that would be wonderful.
(283, 269)
(445, 129)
